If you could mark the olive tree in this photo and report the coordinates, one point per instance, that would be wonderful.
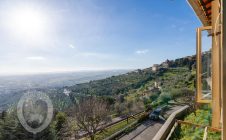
(91, 114)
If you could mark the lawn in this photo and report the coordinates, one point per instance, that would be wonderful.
(113, 129)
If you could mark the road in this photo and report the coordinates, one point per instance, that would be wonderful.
(148, 129)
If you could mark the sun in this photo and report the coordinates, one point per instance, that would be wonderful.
(27, 22)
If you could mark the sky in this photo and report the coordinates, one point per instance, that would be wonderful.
(73, 35)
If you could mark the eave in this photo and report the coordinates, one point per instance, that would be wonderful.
(202, 9)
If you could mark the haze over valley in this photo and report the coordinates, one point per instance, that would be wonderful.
(12, 87)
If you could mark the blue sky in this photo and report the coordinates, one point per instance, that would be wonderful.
(68, 35)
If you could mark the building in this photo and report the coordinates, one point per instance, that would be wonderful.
(155, 67)
(165, 65)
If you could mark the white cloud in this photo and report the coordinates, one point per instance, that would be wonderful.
(95, 55)
(71, 46)
(142, 51)
(35, 58)
(90, 54)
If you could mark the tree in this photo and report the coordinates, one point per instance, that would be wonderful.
(165, 97)
(121, 109)
(91, 114)
(134, 107)
(109, 100)
(176, 93)
(11, 129)
(153, 96)
(184, 95)
(121, 98)
(146, 101)
(189, 98)
(63, 129)
(60, 120)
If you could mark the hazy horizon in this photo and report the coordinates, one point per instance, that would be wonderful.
(61, 72)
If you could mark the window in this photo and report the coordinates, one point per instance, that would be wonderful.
(204, 65)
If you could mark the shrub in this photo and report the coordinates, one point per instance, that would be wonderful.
(153, 96)
(165, 97)
(143, 117)
(148, 107)
(60, 120)
(202, 117)
(146, 101)
(175, 93)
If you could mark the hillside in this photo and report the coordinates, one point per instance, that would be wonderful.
(170, 74)
(13, 87)
(127, 94)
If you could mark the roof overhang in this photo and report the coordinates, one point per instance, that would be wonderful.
(202, 9)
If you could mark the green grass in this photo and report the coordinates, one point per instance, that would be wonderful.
(113, 129)
(189, 132)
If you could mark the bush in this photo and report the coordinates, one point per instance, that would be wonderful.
(148, 107)
(155, 104)
(153, 96)
(60, 120)
(202, 117)
(143, 117)
(175, 93)
(146, 101)
(121, 109)
(165, 97)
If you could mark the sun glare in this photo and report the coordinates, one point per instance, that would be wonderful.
(27, 22)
